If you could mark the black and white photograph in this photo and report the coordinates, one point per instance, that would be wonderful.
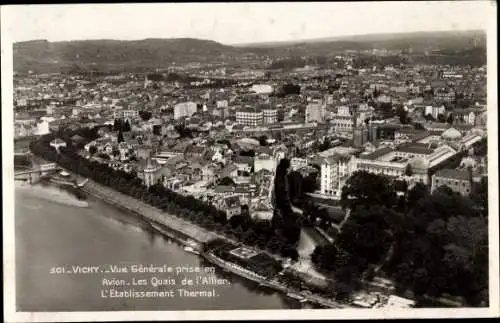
(250, 160)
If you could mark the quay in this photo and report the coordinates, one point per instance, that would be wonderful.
(194, 236)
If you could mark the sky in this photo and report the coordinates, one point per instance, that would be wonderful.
(235, 23)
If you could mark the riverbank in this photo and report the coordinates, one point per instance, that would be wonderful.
(190, 235)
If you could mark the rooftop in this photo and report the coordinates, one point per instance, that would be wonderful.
(415, 148)
(453, 174)
(377, 153)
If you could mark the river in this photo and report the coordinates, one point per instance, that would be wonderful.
(53, 234)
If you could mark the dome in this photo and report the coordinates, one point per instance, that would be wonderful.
(451, 134)
(248, 142)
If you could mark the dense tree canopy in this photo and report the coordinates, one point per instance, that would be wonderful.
(435, 244)
(367, 189)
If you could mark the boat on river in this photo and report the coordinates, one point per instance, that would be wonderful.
(191, 250)
(297, 297)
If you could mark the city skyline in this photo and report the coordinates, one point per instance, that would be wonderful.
(240, 23)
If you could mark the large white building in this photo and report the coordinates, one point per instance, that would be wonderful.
(42, 128)
(335, 170)
(264, 161)
(185, 109)
(270, 115)
(434, 111)
(315, 111)
(394, 162)
(249, 116)
(262, 88)
(298, 163)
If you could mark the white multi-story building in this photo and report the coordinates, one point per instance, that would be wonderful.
(125, 114)
(434, 111)
(394, 162)
(270, 115)
(185, 109)
(264, 161)
(335, 170)
(298, 163)
(222, 104)
(249, 116)
(315, 111)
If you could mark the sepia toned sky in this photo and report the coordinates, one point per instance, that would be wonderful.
(234, 23)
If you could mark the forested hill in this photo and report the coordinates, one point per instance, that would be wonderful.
(114, 54)
(43, 56)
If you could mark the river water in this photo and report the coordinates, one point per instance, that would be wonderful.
(56, 233)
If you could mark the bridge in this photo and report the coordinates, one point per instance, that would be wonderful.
(36, 172)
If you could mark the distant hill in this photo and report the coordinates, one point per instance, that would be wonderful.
(418, 41)
(444, 38)
(43, 56)
(113, 54)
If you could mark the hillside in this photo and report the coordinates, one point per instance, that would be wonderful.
(418, 41)
(42, 56)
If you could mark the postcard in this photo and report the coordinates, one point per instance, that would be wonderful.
(214, 161)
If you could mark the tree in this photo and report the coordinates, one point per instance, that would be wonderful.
(145, 115)
(479, 195)
(408, 170)
(126, 126)
(226, 181)
(157, 130)
(385, 110)
(92, 150)
(418, 192)
(117, 125)
(263, 140)
(429, 117)
(367, 189)
(403, 115)
(295, 183)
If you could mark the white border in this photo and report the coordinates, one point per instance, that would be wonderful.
(9, 226)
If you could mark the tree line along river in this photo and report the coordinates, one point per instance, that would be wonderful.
(64, 233)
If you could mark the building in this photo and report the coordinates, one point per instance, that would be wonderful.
(459, 181)
(249, 116)
(444, 95)
(264, 161)
(144, 152)
(298, 163)
(434, 111)
(185, 109)
(335, 170)
(150, 173)
(347, 118)
(409, 134)
(270, 115)
(262, 88)
(125, 114)
(315, 111)
(372, 132)
(364, 112)
(394, 161)
(342, 123)
(360, 136)
(57, 143)
(231, 205)
(193, 152)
